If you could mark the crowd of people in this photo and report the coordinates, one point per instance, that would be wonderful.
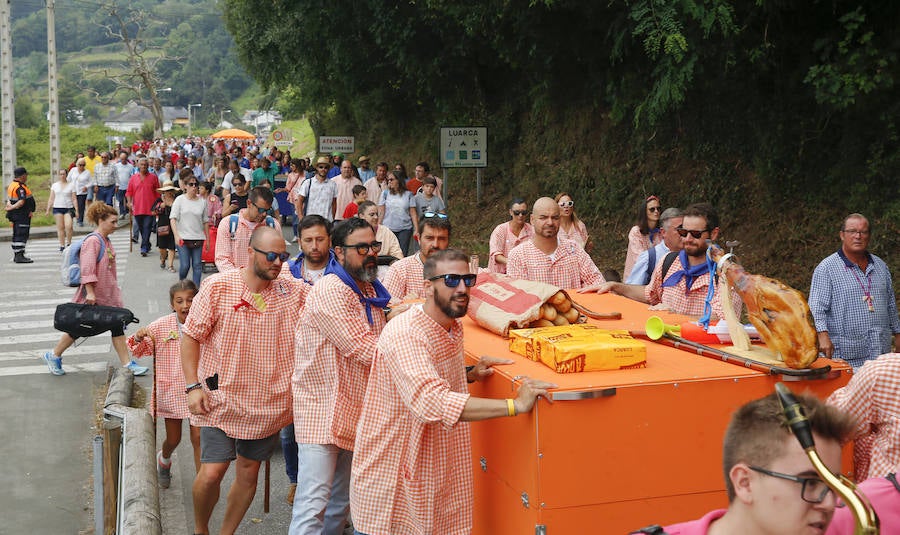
(350, 354)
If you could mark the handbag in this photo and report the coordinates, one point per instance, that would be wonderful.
(164, 230)
(81, 320)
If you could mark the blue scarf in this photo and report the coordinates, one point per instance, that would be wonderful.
(652, 234)
(296, 266)
(381, 299)
(690, 274)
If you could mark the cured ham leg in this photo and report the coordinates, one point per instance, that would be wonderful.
(779, 312)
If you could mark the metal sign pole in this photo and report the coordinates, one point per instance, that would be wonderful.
(478, 185)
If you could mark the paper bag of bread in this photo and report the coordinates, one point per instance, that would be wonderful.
(524, 341)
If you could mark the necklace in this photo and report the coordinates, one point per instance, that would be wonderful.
(866, 290)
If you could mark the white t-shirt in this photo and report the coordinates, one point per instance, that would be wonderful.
(190, 216)
(82, 180)
(318, 197)
(226, 182)
(62, 195)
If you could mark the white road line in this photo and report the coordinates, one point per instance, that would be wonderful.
(41, 302)
(51, 336)
(91, 367)
(36, 293)
(28, 312)
(24, 325)
(10, 356)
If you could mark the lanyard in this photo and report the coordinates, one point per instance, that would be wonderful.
(866, 290)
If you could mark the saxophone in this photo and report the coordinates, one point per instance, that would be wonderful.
(865, 518)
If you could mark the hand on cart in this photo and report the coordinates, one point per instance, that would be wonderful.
(484, 368)
(529, 391)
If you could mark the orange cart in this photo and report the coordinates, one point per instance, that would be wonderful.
(616, 450)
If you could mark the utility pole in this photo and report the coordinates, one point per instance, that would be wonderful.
(7, 102)
(54, 93)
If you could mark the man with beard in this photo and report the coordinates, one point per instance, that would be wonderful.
(414, 414)
(234, 231)
(336, 336)
(236, 354)
(684, 286)
(548, 259)
(377, 184)
(404, 278)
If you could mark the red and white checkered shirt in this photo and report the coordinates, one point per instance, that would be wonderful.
(412, 470)
(165, 338)
(405, 279)
(680, 301)
(231, 253)
(872, 398)
(334, 348)
(251, 350)
(570, 266)
(503, 241)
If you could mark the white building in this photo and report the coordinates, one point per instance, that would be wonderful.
(133, 117)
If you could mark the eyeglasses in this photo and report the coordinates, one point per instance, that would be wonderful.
(566, 204)
(435, 214)
(654, 208)
(271, 255)
(854, 232)
(237, 183)
(451, 280)
(191, 184)
(520, 212)
(814, 489)
(321, 167)
(258, 209)
(363, 248)
(696, 234)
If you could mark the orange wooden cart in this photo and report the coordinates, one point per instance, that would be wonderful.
(616, 450)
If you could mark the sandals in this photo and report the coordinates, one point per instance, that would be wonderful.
(170, 269)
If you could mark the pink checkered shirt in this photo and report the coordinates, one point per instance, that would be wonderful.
(571, 267)
(231, 253)
(334, 348)
(165, 339)
(250, 350)
(405, 279)
(412, 470)
(503, 241)
(873, 397)
(678, 300)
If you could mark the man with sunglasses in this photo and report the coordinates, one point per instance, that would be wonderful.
(412, 466)
(237, 355)
(507, 236)
(852, 299)
(547, 258)
(234, 232)
(772, 486)
(404, 277)
(318, 195)
(336, 336)
(646, 262)
(684, 287)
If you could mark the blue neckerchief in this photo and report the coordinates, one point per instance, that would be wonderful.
(296, 266)
(688, 272)
(381, 299)
(652, 234)
(710, 292)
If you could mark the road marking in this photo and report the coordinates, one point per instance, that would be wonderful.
(91, 367)
(25, 325)
(35, 293)
(29, 312)
(9, 356)
(52, 336)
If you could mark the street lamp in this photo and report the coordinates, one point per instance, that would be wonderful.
(189, 116)
(222, 116)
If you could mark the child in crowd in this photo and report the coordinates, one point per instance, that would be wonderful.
(426, 200)
(162, 338)
(213, 203)
(352, 208)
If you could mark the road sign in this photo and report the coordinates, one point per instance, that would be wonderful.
(336, 144)
(283, 137)
(463, 146)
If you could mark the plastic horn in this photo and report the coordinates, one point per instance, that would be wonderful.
(864, 516)
(656, 328)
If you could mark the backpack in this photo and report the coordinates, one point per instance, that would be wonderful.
(233, 223)
(70, 271)
(81, 320)
(667, 263)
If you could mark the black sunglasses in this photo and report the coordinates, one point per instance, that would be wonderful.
(683, 232)
(363, 248)
(451, 280)
(271, 256)
(520, 212)
(192, 184)
(653, 208)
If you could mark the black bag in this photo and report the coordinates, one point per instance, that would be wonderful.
(81, 320)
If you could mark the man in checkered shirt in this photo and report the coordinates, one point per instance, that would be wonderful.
(684, 287)
(545, 258)
(238, 380)
(404, 277)
(412, 468)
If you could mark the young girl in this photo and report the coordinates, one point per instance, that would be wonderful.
(163, 337)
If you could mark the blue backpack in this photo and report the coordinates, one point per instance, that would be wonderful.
(233, 224)
(70, 272)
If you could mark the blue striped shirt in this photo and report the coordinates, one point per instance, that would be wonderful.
(837, 300)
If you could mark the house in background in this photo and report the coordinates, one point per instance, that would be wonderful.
(263, 121)
(133, 117)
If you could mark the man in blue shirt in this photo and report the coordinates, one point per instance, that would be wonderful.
(669, 220)
(852, 299)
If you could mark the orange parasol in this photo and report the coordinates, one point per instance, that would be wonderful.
(233, 133)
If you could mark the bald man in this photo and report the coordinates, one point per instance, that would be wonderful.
(546, 258)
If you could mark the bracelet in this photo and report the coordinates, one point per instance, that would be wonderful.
(511, 407)
(193, 386)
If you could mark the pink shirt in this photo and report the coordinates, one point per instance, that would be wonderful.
(503, 241)
(164, 344)
(232, 251)
(405, 278)
(696, 527)
(637, 243)
(569, 267)
(681, 301)
(344, 193)
(883, 496)
(102, 274)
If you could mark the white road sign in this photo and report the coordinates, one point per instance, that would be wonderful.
(336, 144)
(463, 146)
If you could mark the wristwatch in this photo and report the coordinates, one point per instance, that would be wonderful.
(190, 387)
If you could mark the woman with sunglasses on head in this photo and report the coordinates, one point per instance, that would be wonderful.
(570, 227)
(645, 234)
(190, 226)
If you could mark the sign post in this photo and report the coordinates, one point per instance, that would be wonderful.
(464, 146)
(343, 144)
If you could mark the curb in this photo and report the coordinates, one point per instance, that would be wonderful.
(50, 232)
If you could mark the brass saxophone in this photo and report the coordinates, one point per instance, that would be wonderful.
(863, 514)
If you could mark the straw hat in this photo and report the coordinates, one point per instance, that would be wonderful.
(323, 160)
(167, 185)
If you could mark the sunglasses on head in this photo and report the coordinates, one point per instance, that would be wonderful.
(520, 212)
(696, 234)
(271, 255)
(435, 214)
(363, 248)
(451, 280)
(566, 204)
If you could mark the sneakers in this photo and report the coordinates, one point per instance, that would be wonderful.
(136, 368)
(54, 364)
(163, 472)
(292, 489)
